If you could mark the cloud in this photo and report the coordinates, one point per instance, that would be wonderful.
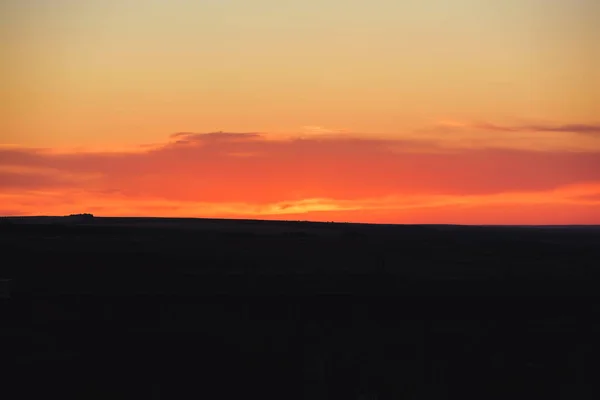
(308, 167)
(189, 137)
(250, 174)
(586, 129)
(521, 136)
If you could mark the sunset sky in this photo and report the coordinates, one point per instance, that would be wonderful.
(455, 111)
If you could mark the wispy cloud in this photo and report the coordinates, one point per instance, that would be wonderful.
(586, 129)
(213, 136)
(574, 137)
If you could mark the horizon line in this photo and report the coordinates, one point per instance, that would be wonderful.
(294, 220)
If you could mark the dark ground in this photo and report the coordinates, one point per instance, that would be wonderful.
(165, 308)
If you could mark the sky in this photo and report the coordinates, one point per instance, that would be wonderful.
(462, 111)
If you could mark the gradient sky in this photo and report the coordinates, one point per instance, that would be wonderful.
(462, 111)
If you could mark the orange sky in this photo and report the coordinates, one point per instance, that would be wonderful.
(385, 111)
(333, 177)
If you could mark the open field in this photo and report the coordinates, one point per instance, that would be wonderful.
(168, 308)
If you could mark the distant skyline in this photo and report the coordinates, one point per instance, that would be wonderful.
(463, 111)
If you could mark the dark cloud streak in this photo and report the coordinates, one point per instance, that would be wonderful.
(585, 129)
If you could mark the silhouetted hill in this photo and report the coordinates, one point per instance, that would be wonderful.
(442, 257)
(189, 308)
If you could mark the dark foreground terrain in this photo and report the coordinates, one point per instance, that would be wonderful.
(165, 308)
